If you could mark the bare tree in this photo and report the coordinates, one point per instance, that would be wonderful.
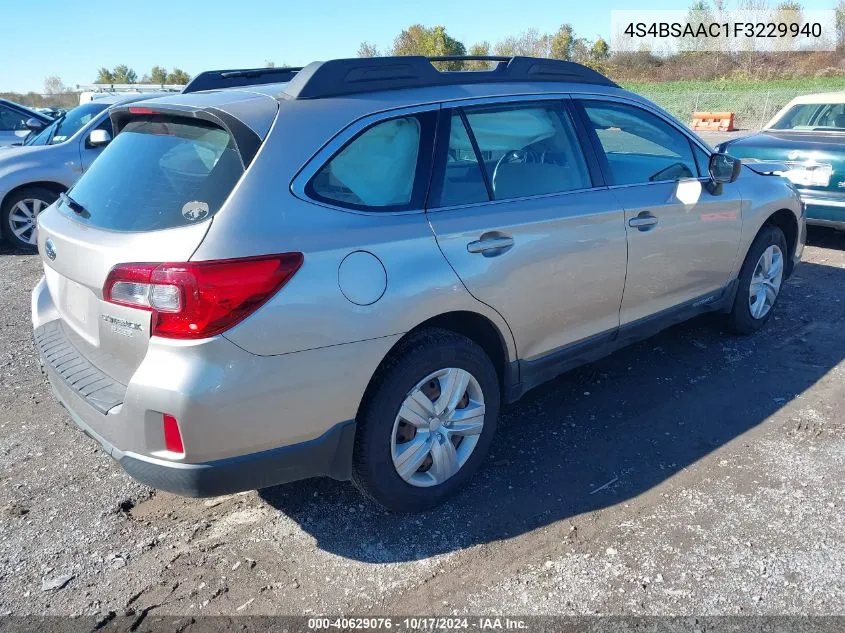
(369, 50)
(840, 24)
(53, 85)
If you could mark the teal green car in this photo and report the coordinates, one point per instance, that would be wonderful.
(804, 142)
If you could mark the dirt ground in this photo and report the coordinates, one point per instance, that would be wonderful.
(694, 473)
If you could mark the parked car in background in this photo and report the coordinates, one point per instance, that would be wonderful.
(54, 112)
(48, 162)
(807, 137)
(349, 272)
(13, 122)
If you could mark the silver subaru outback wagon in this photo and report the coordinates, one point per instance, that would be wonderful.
(344, 270)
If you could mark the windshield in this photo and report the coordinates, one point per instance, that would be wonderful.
(66, 126)
(829, 117)
(181, 173)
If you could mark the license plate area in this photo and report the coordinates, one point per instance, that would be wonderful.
(76, 302)
(78, 305)
(809, 174)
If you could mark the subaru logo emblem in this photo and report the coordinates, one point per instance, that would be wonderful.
(50, 250)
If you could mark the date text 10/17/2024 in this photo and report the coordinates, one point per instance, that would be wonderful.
(479, 623)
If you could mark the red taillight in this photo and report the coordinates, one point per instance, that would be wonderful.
(137, 110)
(200, 299)
(172, 436)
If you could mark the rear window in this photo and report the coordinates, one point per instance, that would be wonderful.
(158, 173)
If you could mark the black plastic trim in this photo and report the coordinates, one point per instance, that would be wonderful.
(539, 370)
(235, 78)
(328, 455)
(340, 77)
(79, 375)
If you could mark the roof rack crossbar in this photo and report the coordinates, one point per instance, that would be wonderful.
(470, 58)
(341, 77)
(236, 77)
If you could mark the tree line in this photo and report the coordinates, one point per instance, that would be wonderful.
(122, 74)
(434, 41)
(689, 63)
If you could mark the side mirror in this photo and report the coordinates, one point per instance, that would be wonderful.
(34, 125)
(724, 168)
(99, 138)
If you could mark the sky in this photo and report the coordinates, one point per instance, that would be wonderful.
(74, 39)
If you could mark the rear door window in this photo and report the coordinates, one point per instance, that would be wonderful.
(158, 173)
(519, 150)
(383, 168)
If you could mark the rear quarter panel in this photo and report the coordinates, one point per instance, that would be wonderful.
(263, 216)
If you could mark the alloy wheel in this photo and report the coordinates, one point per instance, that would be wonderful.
(766, 282)
(22, 219)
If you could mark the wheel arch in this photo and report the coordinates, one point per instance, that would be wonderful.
(476, 327)
(51, 185)
(785, 220)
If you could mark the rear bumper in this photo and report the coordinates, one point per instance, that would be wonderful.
(246, 421)
(328, 455)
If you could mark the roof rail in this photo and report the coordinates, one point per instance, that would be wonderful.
(215, 79)
(340, 77)
(109, 88)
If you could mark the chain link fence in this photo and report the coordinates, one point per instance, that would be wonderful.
(752, 108)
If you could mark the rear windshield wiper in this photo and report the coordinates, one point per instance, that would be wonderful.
(72, 204)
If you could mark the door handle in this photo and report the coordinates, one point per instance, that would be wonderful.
(491, 245)
(645, 221)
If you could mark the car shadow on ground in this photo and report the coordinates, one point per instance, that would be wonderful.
(826, 238)
(6, 249)
(602, 434)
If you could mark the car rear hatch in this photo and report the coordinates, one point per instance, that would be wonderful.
(149, 198)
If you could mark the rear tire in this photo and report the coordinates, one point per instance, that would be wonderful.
(437, 451)
(760, 282)
(17, 217)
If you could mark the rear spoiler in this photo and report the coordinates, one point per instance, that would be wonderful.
(217, 79)
(245, 138)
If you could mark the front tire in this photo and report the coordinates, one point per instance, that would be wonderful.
(427, 423)
(760, 281)
(17, 217)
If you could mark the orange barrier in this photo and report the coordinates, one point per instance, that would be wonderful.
(713, 121)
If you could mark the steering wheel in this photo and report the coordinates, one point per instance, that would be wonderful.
(510, 156)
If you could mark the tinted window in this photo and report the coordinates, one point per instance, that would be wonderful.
(376, 170)
(105, 124)
(67, 125)
(527, 149)
(810, 116)
(11, 120)
(702, 159)
(178, 173)
(640, 147)
(463, 182)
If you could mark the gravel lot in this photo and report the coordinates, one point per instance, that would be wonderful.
(694, 473)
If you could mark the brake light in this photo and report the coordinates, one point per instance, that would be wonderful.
(172, 436)
(199, 299)
(137, 110)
